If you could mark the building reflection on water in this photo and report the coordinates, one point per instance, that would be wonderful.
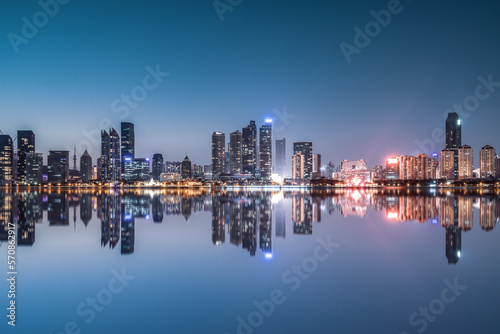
(249, 219)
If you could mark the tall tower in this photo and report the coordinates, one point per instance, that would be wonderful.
(487, 162)
(158, 166)
(454, 138)
(114, 171)
(305, 148)
(280, 167)
(465, 161)
(74, 157)
(235, 150)
(25, 145)
(249, 149)
(266, 149)
(104, 155)
(86, 166)
(218, 153)
(6, 160)
(127, 144)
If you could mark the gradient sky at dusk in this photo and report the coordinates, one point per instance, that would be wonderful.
(264, 55)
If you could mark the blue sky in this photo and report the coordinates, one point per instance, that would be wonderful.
(264, 56)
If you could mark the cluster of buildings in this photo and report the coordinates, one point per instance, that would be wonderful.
(455, 161)
(249, 155)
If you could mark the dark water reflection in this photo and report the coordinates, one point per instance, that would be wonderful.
(245, 217)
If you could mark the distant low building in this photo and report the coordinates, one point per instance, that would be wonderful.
(170, 177)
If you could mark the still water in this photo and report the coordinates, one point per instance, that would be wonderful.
(344, 261)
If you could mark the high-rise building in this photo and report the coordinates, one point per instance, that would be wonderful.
(227, 161)
(280, 166)
(447, 162)
(298, 166)
(235, 153)
(249, 148)
(58, 166)
(6, 160)
(114, 155)
(34, 168)
(110, 155)
(454, 138)
(306, 148)
(465, 161)
(127, 143)
(104, 155)
(86, 166)
(186, 168)
(266, 149)
(140, 169)
(487, 162)
(497, 167)
(218, 154)
(25, 145)
(316, 169)
(158, 166)
(392, 169)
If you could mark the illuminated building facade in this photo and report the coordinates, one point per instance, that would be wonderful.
(392, 169)
(218, 154)
(465, 161)
(266, 149)
(447, 162)
(58, 166)
(249, 148)
(487, 162)
(34, 168)
(6, 160)
(454, 138)
(235, 153)
(306, 149)
(25, 145)
(298, 166)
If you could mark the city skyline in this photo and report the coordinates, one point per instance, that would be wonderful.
(315, 95)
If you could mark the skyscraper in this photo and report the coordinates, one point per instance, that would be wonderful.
(218, 154)
(487, 161)
(298, 167)
(114, 155)
(447, 162)
(465, 161)
(158, 166)
(186, 168)
(6, 160)
(454, 138)
(305, 148)
(34, 168)
(249, 149)
(127, 143)
(280, 166)
(265, 149)
(58, 166)
(104, 155)
(25, 145)
(110, 155)
(316, 169)
(235, 153)
(86, 166)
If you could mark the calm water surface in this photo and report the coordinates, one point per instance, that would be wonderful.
(346, 261)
